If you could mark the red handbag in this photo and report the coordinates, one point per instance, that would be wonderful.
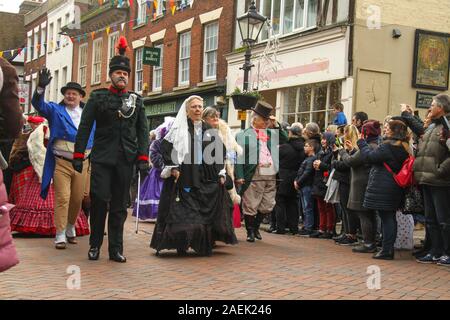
(405, 177)
(236, 216)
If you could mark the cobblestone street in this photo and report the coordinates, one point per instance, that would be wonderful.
(279, 267)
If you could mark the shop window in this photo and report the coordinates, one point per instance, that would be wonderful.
(311, 103)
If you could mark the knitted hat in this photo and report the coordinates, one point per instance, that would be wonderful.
(371, 128)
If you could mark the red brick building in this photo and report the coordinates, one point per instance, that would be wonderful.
(193, 41)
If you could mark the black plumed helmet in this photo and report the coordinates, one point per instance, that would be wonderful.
(120, 61)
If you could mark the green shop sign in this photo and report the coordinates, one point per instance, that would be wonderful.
(162, 108)
(152, 56)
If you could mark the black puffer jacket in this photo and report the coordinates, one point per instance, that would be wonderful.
(292, 154)
(359, 176)
(382, 191)
(342, 170)
(305, 175)
(321, 175)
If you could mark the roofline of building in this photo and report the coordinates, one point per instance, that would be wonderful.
(44, 8)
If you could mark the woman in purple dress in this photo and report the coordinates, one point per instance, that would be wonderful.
(153, 183)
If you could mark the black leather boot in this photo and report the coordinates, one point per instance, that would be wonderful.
(258, 219)
(249, 225)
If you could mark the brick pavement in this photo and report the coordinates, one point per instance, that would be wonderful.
(279, 267)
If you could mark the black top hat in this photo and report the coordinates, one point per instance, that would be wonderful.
(263, 109)
(74, 86)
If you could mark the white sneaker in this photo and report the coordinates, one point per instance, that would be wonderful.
(70, 231)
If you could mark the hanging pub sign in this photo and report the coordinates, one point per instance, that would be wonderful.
(152, 56)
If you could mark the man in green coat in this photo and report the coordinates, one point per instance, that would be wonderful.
(256, 169)
(121, 141)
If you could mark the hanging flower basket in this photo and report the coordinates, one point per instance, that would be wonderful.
(245, 100)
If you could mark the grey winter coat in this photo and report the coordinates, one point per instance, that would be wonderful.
(432, 165)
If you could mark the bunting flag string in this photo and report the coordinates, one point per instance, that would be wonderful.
(107, 30)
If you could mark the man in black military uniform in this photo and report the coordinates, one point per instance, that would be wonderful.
(121, 141)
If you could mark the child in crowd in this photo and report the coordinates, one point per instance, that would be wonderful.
(304, 182)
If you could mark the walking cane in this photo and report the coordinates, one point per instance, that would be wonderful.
(138, 200)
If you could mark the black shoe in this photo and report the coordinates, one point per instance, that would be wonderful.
(339, 237)
(347, 241)
(384, 255)
(181, 252)
(326, 235)
(280, 232)
(117, 257)
(94, 253)
(365, 249)
(271, 229)
(315, 234)
(305, 233)
(258, 235)
(428, 259)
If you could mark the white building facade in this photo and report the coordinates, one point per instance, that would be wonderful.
(300, 68)
(59, 53)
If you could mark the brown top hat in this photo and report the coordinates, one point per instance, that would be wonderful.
(263, 109)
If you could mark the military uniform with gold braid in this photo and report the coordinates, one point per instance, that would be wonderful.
(121, 141)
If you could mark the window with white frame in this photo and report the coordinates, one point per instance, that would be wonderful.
(97, 61)
(56, 85)
(139, 70)
(112, 41)
(142, 11)
(210, 57)
(35, 45)
(51, 38)
(43, 40)
(185, 58)
(82, 63)
(184, 3)
(29, 48)
(160, 7)
(287, 16)
(311, 103)
(64, 76)
(58, 36)
(158, 71)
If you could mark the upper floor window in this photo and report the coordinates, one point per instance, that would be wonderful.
(30, 48)
(51, 38)
(158, 71)
(35, 45)
(184, 58)
(43, 40)
(82, 64)
(210, 56)
(139, 70)
(160, 7)
(58, 35)
(142, 11)
(112, 41)
(287, 16)
(97, 61)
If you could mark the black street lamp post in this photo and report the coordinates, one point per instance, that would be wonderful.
(250, 26)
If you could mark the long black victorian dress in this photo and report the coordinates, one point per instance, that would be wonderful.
(195, 211)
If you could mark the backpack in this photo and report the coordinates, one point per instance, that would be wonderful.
(405, 177)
